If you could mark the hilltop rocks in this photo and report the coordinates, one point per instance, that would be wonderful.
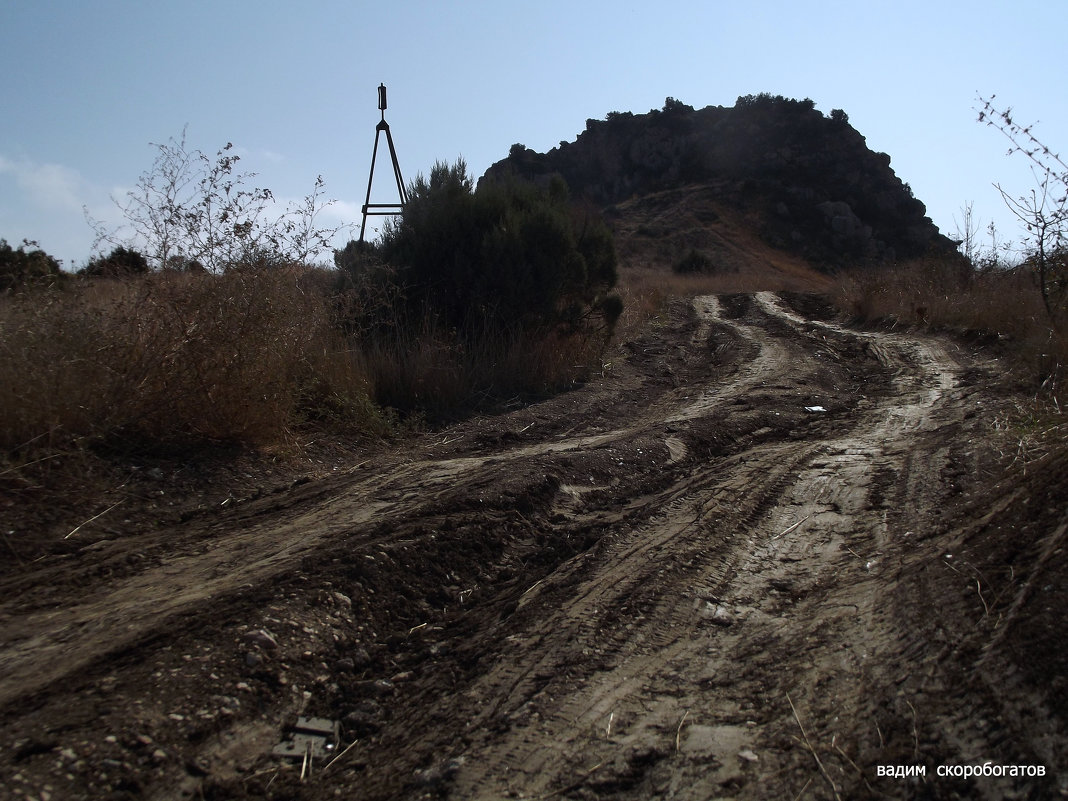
(842, 219)
(811, 179)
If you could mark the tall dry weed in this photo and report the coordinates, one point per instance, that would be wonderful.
(428, 370)
(1004, 304)
(167, 358)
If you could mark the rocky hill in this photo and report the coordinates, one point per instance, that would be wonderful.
(803, 182)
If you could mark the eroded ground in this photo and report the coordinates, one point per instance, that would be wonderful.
(759, 557)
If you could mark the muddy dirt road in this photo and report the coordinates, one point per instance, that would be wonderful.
(762, 555)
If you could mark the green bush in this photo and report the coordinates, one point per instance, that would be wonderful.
(694, 262)
(471, 297)
(20, 267)
(508, 257)
(120, 262)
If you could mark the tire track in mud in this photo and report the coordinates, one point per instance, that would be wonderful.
(625, 623)
(650, 661)
(644, 662)
(765, 366)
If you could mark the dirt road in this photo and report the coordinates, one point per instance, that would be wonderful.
(762, 555)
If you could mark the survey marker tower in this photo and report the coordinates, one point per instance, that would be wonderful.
(383, 209)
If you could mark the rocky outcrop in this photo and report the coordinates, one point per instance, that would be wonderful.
(810, 180)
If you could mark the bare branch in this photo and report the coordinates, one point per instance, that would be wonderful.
(192, 209)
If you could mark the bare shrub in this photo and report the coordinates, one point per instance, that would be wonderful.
(1043, 211)
(190, 210)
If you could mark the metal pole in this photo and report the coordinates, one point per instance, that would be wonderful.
(370, 180)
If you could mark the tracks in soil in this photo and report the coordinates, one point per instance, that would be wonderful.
(666, 667)
(42, 645)
(715, 573)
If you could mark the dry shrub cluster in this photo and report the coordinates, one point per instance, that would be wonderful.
(173, 358)
(168, 360)
(432, 373)
(995, 303)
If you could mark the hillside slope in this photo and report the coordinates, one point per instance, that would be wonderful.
(808, 184)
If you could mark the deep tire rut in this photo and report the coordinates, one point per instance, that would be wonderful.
(671, 684)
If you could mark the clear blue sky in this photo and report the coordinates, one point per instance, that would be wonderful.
(88, 84)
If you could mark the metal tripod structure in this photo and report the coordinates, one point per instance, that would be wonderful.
(383, 209)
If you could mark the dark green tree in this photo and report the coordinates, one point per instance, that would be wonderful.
(511, 256)
(694, 262)
(27, 264)
(121, 262)
(839, 116)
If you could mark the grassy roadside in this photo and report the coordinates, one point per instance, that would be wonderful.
(1002, 308)
(171, 392)
(128, 403)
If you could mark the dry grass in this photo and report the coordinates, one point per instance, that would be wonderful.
(433, 373)
(168, 358)
(1001, 305)
(654, 232)
(251, 356)
(645, 289)
(170, 361)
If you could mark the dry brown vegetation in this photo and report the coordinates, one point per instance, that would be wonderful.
(170, 359)
(254, 355)
(166, 363)
(1001, 306)
(164, 393)
(246, 356)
